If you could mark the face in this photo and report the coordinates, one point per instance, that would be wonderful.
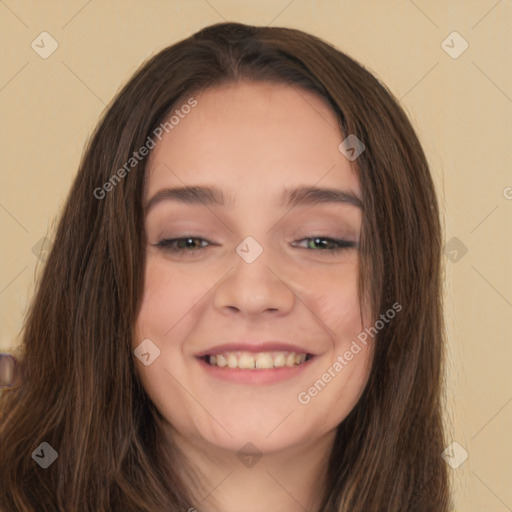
(258, 272)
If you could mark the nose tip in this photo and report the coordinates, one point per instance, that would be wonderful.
(253, 288)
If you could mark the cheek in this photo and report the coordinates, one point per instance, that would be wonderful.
(343, 373)
(168, 296)
(336, 303)
(155, 315)
(333, 295)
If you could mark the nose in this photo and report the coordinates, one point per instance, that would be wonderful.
(252, 289)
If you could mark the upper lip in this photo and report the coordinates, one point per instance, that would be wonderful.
(254, 346)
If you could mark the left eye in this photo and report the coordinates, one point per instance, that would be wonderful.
(195, 244)
(329, 244)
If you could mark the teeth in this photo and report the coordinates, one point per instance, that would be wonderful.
(262, 360)
(279, 360)
(246, 361)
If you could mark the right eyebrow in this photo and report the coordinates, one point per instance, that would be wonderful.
(191, 195)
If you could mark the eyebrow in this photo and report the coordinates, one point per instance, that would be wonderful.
(290, 197)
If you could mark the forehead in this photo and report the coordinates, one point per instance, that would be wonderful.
(253, 139)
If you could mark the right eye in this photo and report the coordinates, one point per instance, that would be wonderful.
(184, 245)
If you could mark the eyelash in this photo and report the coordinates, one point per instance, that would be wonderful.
(167, 244)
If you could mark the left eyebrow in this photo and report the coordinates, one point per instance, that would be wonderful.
(313, 195)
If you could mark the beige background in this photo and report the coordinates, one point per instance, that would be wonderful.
(460, 106)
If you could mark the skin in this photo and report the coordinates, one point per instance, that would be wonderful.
(252, 140)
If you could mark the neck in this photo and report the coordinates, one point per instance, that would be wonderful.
(290, 480)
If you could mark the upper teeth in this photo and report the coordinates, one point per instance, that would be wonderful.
(250, 360)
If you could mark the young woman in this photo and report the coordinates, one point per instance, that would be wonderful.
(242, 306)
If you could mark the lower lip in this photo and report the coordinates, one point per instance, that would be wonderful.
(255, 377)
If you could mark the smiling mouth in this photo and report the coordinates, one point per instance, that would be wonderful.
(256, 361)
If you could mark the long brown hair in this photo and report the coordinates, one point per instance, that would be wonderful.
(78, 389)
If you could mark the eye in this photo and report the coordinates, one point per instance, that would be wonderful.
(185, 245)
(328, 244)
(192, 244)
